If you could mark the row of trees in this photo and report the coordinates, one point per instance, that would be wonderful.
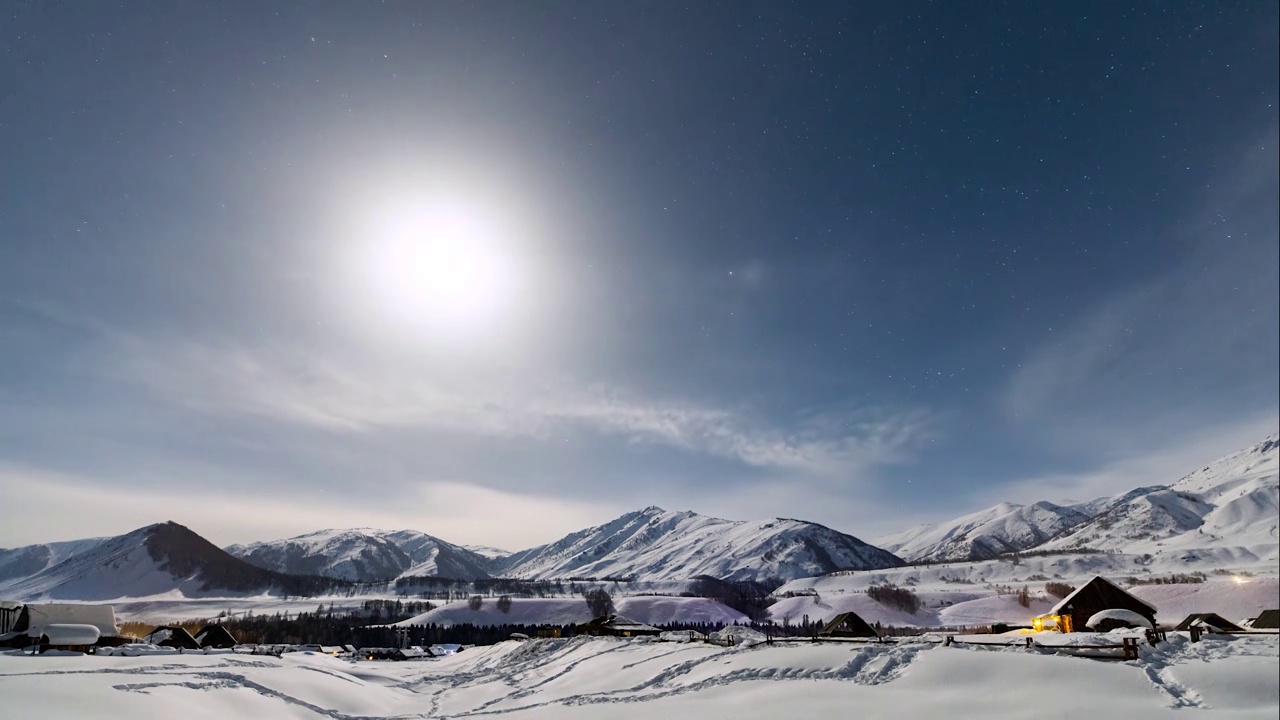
(322, 629)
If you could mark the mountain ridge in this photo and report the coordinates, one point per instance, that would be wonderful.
(1226, 509)
(1230, 503)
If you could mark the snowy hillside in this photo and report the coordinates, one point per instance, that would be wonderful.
(27, 561)
(1231, 503)
(165, 558)
(985, 534)
(365, 555)
(654, 544)
(486, 552)
(1225, 512)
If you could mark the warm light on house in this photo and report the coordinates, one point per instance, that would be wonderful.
(1061, 623)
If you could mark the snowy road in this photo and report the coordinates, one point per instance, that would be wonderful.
(608, 678)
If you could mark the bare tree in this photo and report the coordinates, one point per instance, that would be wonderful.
(600, 602)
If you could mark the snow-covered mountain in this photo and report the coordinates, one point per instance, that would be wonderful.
(365, 555)
(1225, 514)
(984, 534)
(486, 551)
(1233, 502)
(156, 559)
(27, 561)
(654, 544)
(1230, 507)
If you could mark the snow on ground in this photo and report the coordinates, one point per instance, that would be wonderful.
(616, 678)
(950, 603)
(1232, 600)
(651, 610)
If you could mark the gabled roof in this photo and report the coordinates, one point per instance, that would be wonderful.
(1268, 620)
(1096, 581)
(215, 635)
(173, 635)
(849, 622)
(1213, 620)
(618, 622)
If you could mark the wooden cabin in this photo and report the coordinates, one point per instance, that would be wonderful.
(1073, 612)
(173, 636)
(848, 625)
(215, 636)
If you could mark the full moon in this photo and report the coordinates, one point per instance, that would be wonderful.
(446, 267)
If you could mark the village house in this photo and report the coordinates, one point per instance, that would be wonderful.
(59, 625)
(848, 625)
(215, 636)
(172, 636)
(1073, 612)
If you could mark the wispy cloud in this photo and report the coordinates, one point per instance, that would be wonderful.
(299, 389)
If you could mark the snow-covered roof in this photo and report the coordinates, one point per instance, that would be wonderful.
(618, 622)
(1057, 609)
(10, 605)
(157, 636)
(102, 617)
(70, 634)
(1125, 616)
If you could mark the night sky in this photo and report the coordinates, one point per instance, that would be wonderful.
(500, 270)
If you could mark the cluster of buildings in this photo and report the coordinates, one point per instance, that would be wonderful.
(83, 627)
(1099, 605)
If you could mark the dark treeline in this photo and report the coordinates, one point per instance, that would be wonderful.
(749, 598)
(325, 629)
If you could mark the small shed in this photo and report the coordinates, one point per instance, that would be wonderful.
(215, 636)
(1073, 612)
(33, 618)
(1268, 620)
(173, 636)
(617, 626)
(848, 625)
(1212, 622)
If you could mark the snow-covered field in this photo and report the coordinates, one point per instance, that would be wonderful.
(614, 678)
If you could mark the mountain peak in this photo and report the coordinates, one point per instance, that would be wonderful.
(656, 544)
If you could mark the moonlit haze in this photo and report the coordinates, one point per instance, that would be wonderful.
(500, 271)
